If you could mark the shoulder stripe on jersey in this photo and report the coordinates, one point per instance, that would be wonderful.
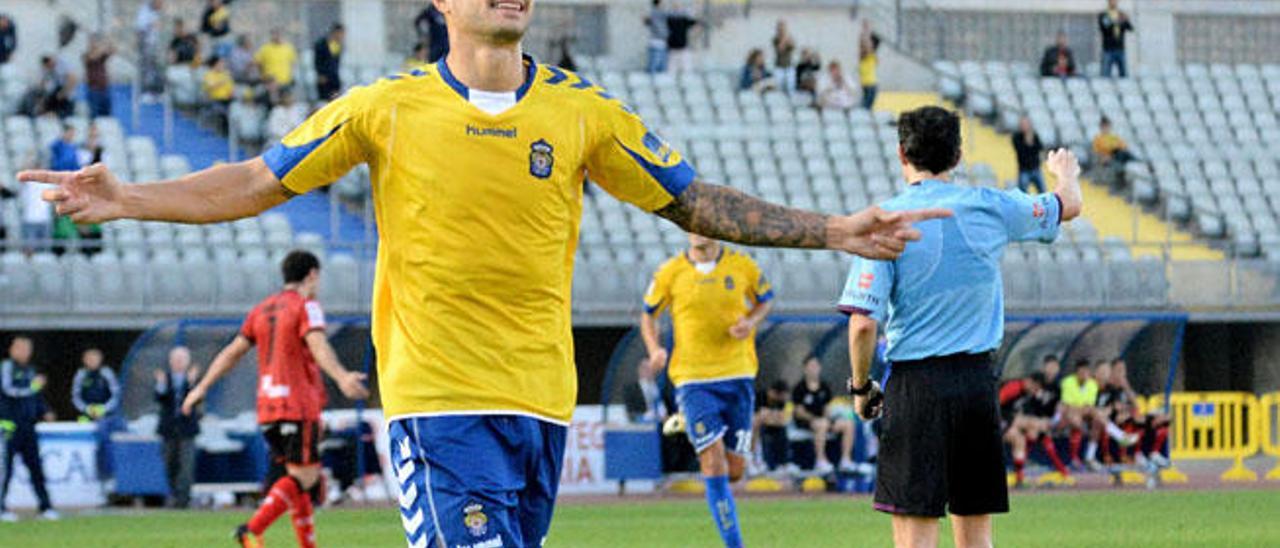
(583, 83)
(765, 297)
(674, 179)
(281, 159)
(557, 75)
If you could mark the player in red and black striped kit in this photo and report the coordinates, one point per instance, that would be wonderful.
(289, 330)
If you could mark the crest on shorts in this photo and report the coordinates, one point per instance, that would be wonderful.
(699, 428)
(473, 517)
(541, 159)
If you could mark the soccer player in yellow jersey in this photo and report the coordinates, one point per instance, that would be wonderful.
(717, 297)
(477, 166)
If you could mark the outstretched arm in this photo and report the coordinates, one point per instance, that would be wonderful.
(220, 193)
(653, 346)
(723, 213)
(351, 383)
(222, 364)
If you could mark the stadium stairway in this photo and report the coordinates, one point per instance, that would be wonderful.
(1112, 215)
(204, 148)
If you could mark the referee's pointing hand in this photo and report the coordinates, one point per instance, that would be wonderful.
(878, 234)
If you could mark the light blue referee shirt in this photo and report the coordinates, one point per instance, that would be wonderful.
(944, 294)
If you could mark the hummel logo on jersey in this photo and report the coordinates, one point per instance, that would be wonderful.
(500, 132)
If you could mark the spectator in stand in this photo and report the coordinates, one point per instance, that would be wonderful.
(1027, 146)
(240, 61)
(644, 397)
(328, 61)
(784, 50)
(1113, 24)
(8, 38)
(220, 89)
(52, 94)
(837, 91)
(811, 397)
(755, 75)
(433, 32)
(64, 155)
(5, 194)
(284, 117)
(23, 406)
(177, 429)
(216, 22)
(807, 71)
(679, 23)
(659, 30)
(418, 59)
(95, 393)
(184, 47)
(97, 82)
(37, 215)
(868, 64)
(770, 446)
(1058, 60)
(147, 26)
(276, 59)
(1108, 146)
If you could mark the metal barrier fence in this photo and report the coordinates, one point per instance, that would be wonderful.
(1269, 431)
(1215, 425)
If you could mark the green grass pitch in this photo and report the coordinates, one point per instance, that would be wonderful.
(1076, 519)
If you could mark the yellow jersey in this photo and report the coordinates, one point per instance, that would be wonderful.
(277, 61)
(867, 70)
(1076, 395)
(704, 305)
(478, 218)
(219, 86)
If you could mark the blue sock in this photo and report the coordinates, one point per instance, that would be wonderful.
(720, 500)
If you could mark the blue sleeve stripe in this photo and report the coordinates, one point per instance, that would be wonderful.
(651, 309)
(674, 179)
(765, 297)
(281, 159)
(557, 75)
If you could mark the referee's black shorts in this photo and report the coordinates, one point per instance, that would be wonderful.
(940, 447)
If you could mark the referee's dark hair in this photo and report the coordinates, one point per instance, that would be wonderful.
(930, 138)
(297, 265)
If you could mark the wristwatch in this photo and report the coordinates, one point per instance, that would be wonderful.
(859, 391)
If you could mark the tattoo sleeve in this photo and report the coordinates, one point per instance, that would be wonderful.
(723, 213)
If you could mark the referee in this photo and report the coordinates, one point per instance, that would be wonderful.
(942, 302)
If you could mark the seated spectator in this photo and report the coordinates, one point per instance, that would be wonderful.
(220, 89)
(97, 81)
(52, 94)
(37, 214)
(807, 71)
(8, 38)
(770, 425)
(284, 117)
(184, 48)
(240, 61)
(811, 397)
(276, 59)
(1027, 147)
(328, 61)
(755, 75)
(644, 397)
(837, 91)
(1108, 146)
(418, 59)
(1058, 60)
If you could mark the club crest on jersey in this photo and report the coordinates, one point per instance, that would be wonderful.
(473, 517)
(541, 159)
(728, 283)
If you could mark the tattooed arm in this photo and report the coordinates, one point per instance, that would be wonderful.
(727, 214)
(220, 193)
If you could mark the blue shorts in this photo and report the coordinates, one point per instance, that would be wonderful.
(717, 409)
(476, 480)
